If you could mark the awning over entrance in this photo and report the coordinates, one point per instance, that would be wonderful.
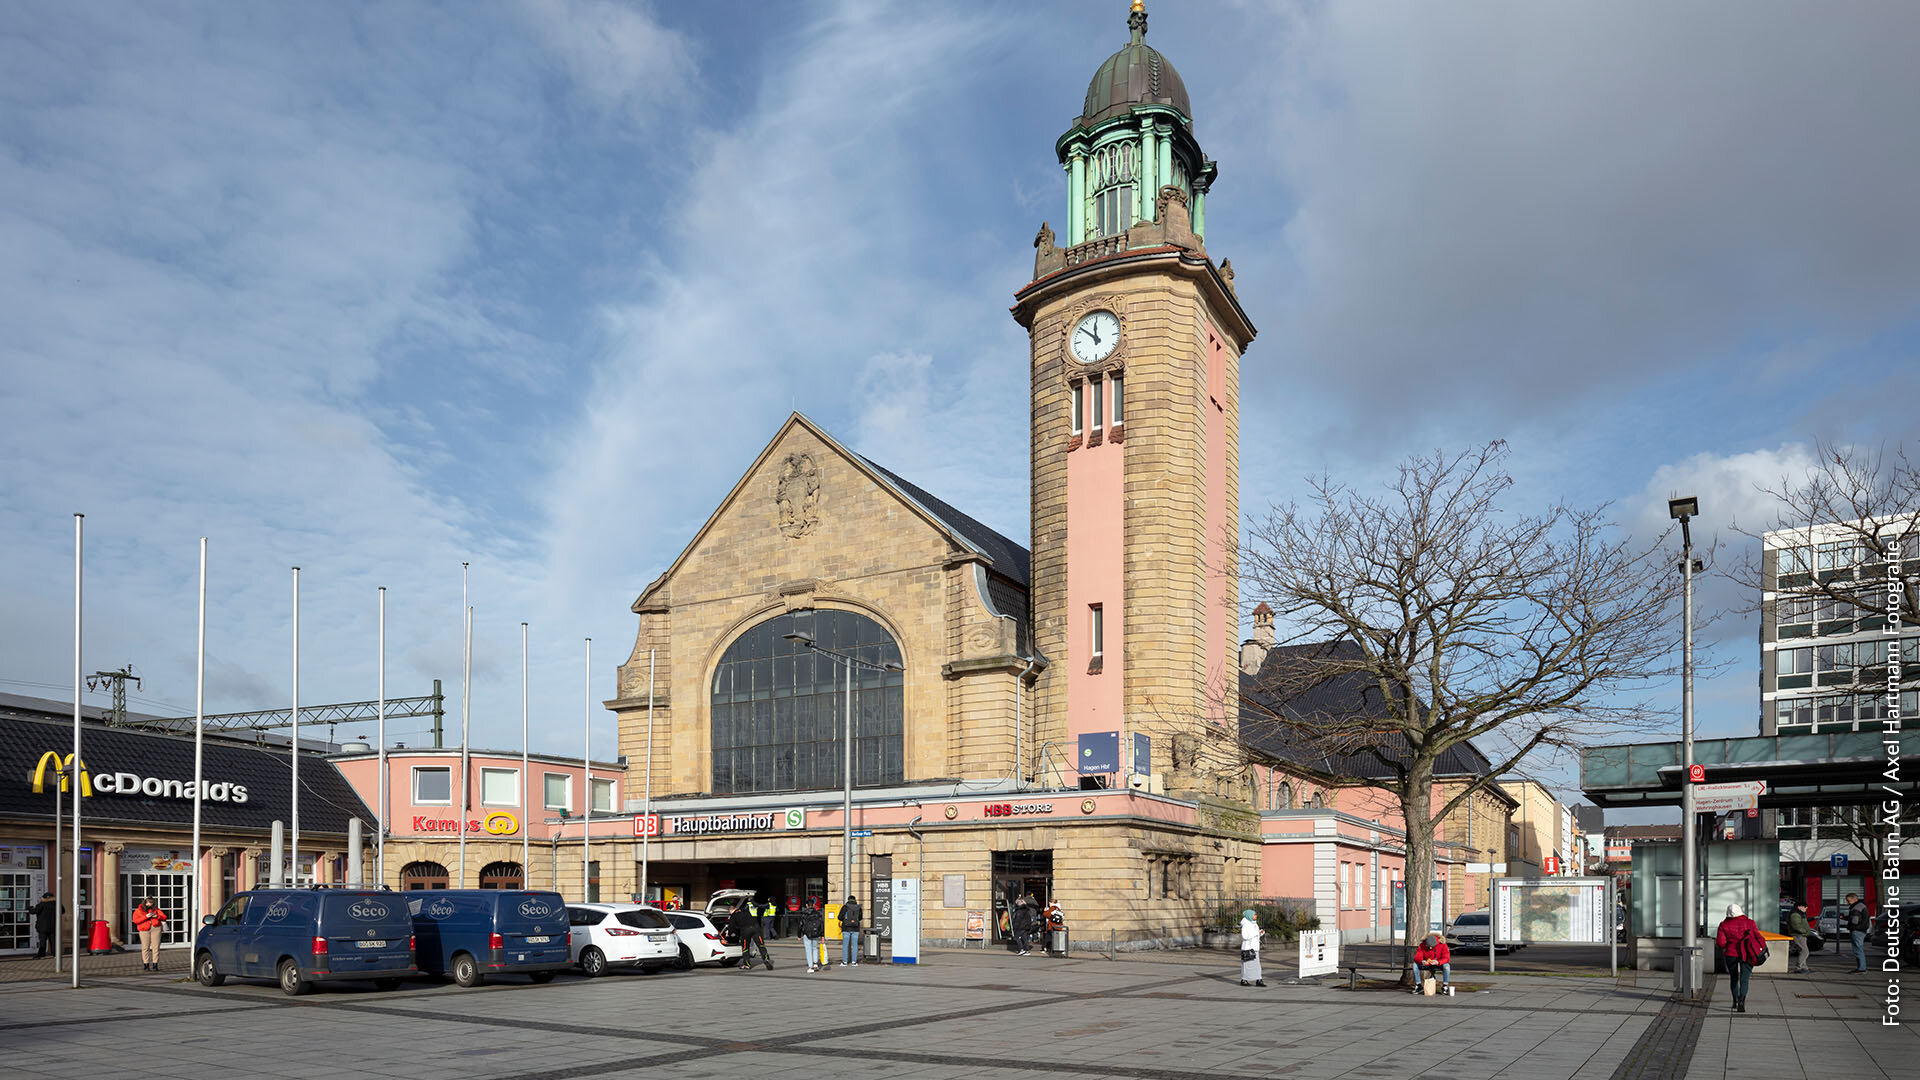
(1800, 770)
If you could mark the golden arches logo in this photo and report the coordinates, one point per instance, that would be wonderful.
(501, 823)
(62, 767)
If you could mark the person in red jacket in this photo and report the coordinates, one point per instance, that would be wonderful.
(1740, 942)
(147, 919)
(1432, 956)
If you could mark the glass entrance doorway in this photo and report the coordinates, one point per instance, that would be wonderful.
(169, 890)
(19, 890)
(1017, 874)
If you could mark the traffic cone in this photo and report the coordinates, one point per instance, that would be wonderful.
(99, 940)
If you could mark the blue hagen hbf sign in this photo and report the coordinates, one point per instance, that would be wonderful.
(1099, 752)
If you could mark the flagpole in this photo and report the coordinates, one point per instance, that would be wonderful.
(646, 798)
(586, 769)
(199, 730)
(380, 836)
(526, 817)
(78, 763)
(293, 855)
(466, 719)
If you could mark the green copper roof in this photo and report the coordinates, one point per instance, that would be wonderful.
(1136, 75)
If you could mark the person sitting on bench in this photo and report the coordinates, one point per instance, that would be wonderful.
(1432, 957)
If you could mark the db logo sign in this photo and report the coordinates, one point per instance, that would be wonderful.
(1697, 774)
(646, 825)
(501, 823)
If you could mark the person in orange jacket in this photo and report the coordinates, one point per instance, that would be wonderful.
(147, 919)
(1432, 956)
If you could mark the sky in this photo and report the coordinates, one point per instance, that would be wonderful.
(379, 289)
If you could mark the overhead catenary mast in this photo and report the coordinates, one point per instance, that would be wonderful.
(293, 855)
(199, 733)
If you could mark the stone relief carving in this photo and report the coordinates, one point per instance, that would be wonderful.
(797, 499)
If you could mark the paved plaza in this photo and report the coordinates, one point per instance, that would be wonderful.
(962, 1014)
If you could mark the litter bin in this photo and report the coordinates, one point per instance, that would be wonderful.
(870, 946)
(1057, 942)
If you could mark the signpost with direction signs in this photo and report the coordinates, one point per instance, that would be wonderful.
(1726, 798)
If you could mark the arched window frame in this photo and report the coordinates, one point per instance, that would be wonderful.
(1113, 176)
(766, 735)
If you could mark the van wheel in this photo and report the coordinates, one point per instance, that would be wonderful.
(685, 963)
(466, 971)
(541, 976)
(386, 984)
(204, 971)
(593, 962)
(290, 981)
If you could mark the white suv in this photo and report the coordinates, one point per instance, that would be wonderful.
(701, 942)
(607, 936)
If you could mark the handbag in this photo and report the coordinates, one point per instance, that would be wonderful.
(1761, 960)
(1248, 954)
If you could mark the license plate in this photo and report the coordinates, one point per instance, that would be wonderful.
(541, 940)
(656, 938)
(371, 944)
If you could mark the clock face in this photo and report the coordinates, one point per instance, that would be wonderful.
(1096, 336)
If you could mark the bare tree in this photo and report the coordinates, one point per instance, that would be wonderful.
(1457, 620)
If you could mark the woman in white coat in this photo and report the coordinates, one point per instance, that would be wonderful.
(1250, 950)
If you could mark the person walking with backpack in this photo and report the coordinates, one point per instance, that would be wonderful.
(1740, 942)
(813, 929)
(1858, 920)
(147, 919)
(850, 915)
(1801, 931)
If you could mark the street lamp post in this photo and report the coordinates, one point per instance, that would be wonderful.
(1688, 969)
(846, 777)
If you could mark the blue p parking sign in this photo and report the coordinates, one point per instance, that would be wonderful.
(1839, 863)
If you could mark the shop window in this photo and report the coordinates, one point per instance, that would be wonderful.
(501, 875)
(779, 707)
(423, 875)
(558, 789)
(432, 785)
(602, 796)
(499, 787)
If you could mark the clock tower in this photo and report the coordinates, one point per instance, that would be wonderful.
(1136, 340)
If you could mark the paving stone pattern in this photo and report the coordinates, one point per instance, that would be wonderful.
(962, 1014)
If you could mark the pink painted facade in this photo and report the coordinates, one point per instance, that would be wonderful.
(1343, 866)
(409, 815)
(1096, 535)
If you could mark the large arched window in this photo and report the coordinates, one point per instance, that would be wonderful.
(778, 706)
(423, 875)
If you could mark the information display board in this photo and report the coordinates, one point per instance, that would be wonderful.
(1319, 953)
(906, 920)
(1553, 911)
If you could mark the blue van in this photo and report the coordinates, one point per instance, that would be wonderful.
(301, 936)
(473, 933)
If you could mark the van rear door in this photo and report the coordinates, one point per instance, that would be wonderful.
(532, 927)
(366, 932)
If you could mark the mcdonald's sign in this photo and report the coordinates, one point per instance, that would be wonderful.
(62, 767)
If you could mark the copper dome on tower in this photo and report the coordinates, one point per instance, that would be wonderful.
(1136, 75)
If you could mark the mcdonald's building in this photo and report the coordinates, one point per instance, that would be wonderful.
(136, 801)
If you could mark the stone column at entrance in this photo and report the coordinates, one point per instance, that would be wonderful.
(215, 897)
(244, 873)
(106, 889)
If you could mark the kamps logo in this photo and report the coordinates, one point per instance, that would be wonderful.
(535, 908)
(368, 910)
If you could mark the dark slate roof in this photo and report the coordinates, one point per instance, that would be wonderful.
(1349, 694)
(1010, 560)
(327, 801)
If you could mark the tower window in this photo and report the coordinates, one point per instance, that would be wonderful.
(1098, 402)
(1119, 401)
(1114, 168)
(1078, 408)
(1097, 628)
